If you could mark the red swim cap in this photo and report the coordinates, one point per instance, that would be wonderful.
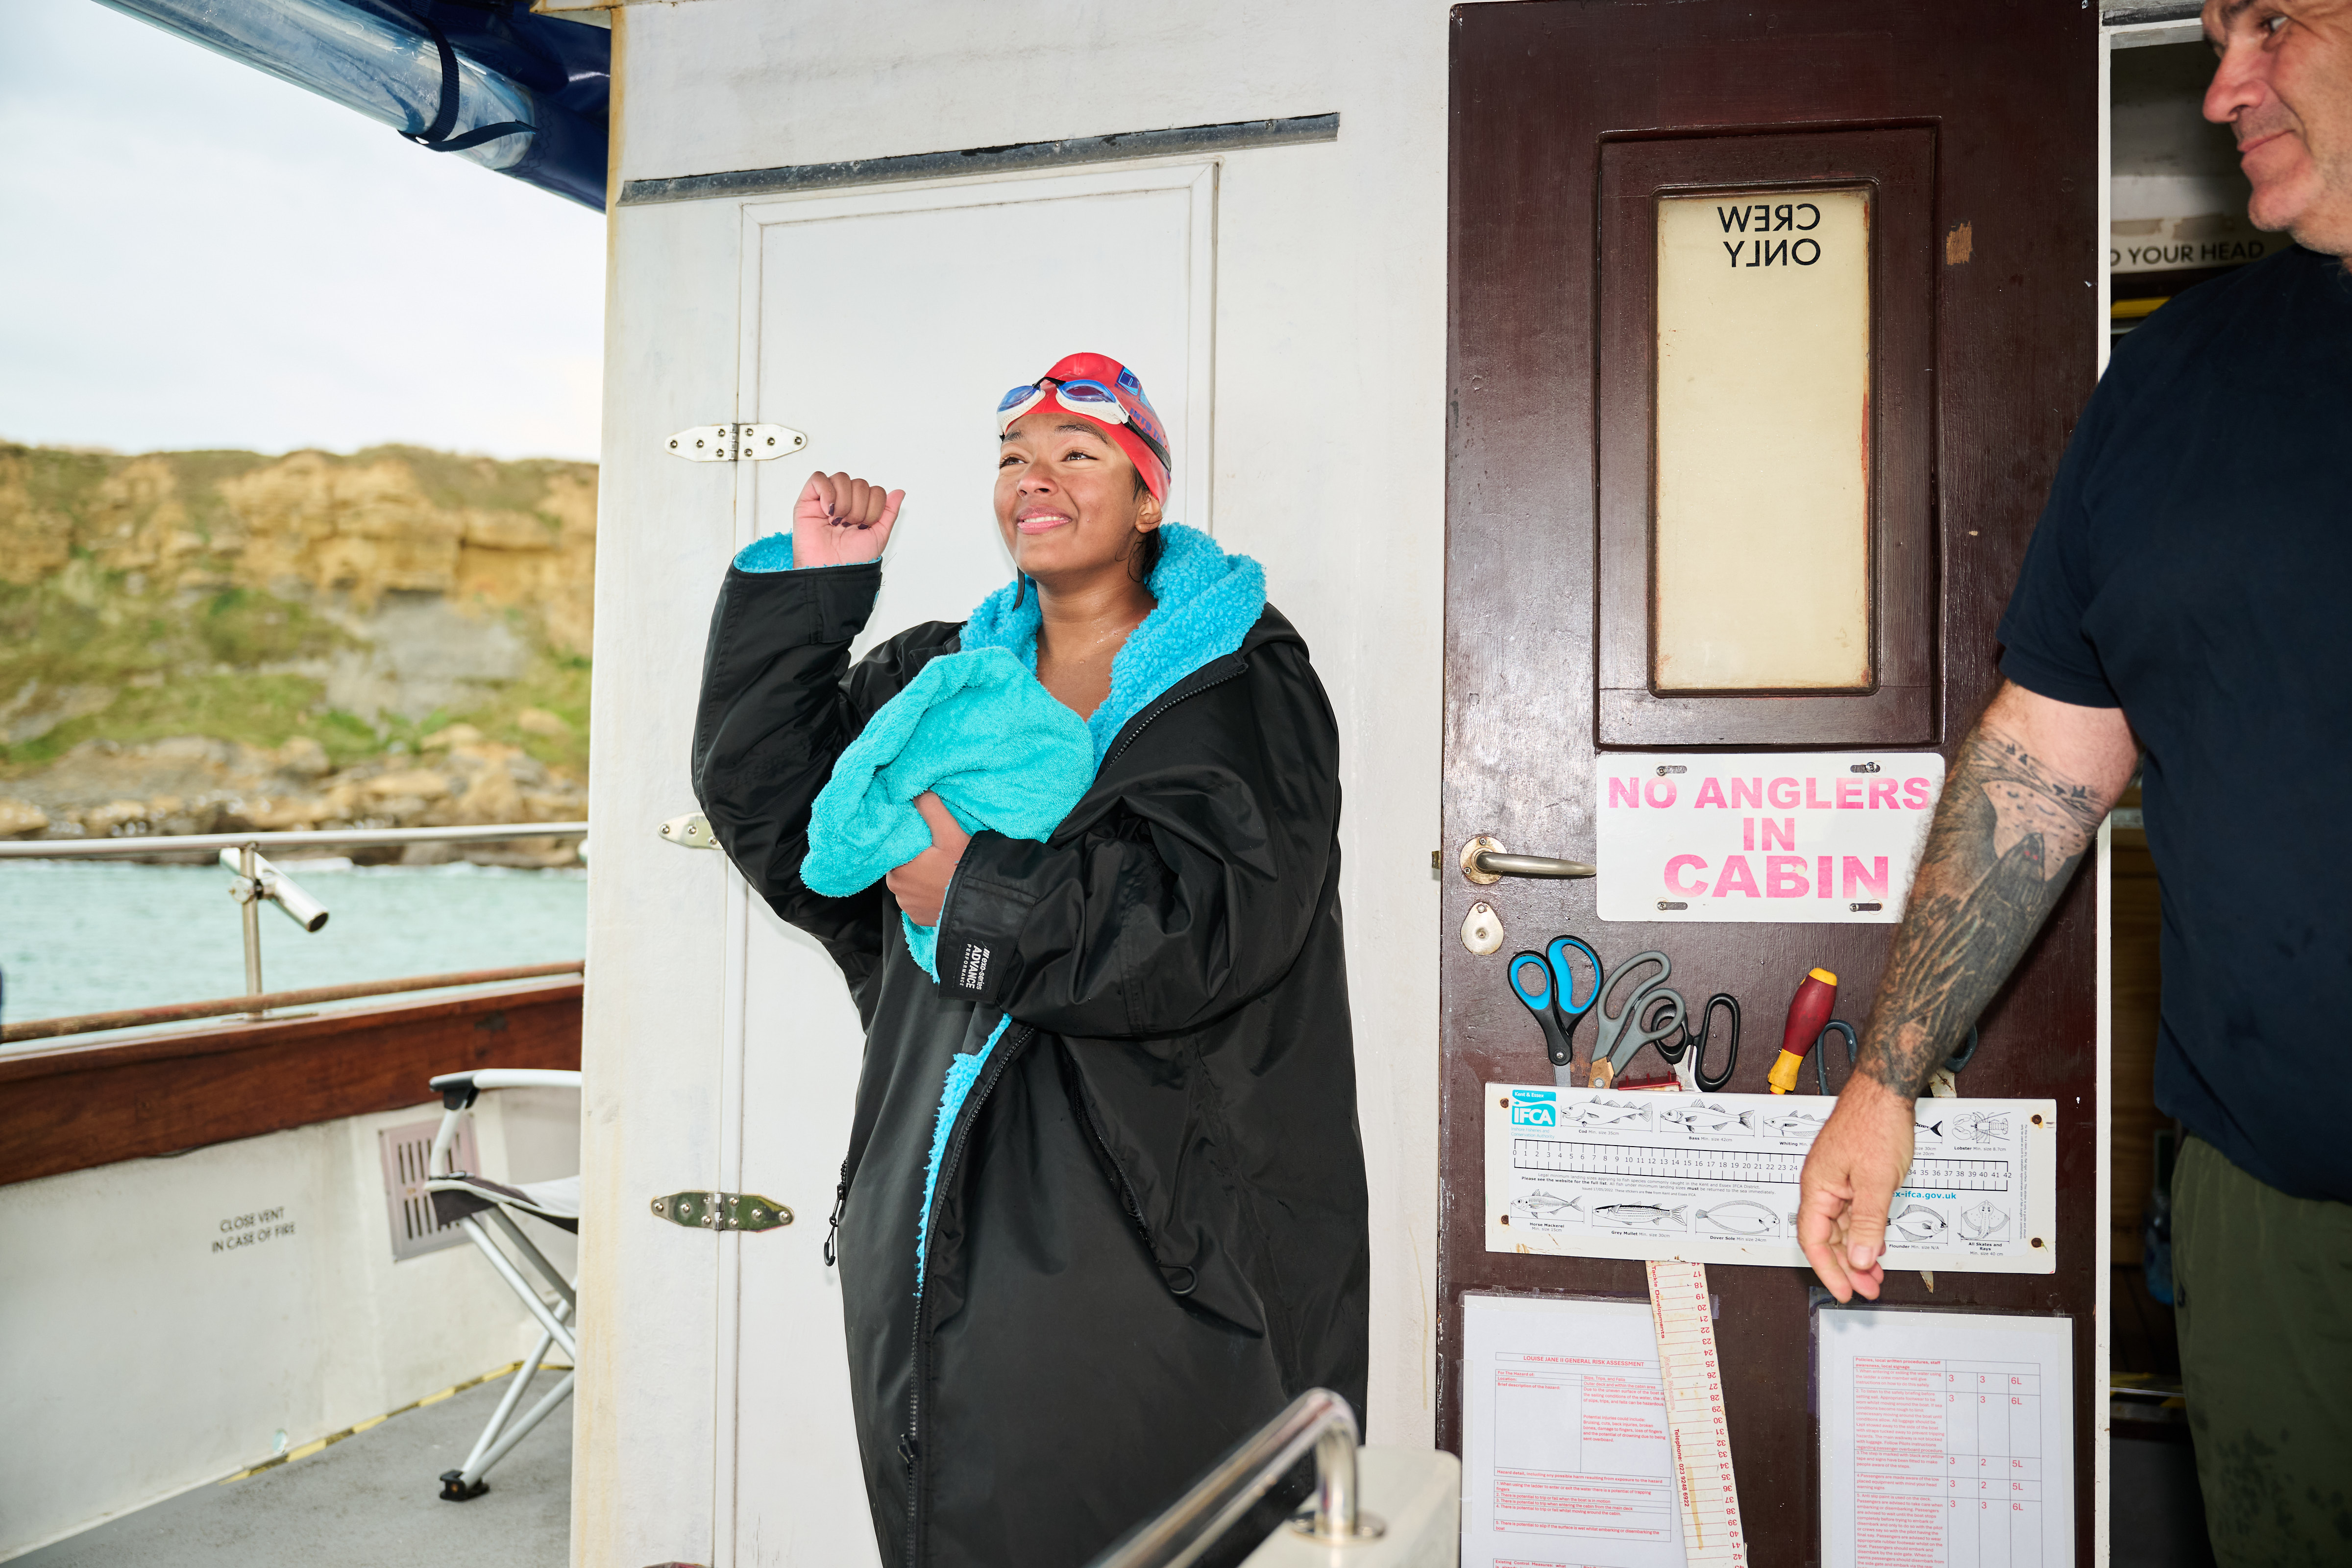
(1138, 434)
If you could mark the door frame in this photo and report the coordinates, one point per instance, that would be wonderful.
(1197, 179)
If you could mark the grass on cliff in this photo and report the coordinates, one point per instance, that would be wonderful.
(194, 668)
(271, 709)
(82, 627)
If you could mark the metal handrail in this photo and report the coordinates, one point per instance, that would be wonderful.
(307, 839)
(1318, 1419)
(257, 882)
(181, 1012)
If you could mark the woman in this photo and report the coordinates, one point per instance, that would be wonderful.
(1145, 1228)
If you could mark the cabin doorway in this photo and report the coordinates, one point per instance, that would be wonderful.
(1767, 329)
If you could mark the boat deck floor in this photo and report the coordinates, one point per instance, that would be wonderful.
(369, 1501)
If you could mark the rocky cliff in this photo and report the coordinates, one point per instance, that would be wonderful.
(209, 641)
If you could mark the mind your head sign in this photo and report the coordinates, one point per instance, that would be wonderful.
(1787, 836)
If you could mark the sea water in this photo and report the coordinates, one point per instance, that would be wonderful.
(81, 936)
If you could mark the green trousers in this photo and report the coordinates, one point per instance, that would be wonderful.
(2264, 1310)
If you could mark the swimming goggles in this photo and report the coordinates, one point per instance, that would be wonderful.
(1091, 398)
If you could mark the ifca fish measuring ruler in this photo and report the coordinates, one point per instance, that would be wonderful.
(1702, 1445)
(1713, 1178)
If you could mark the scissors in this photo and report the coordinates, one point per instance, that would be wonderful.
(1546, 987)
(1687, 1056)
(1636, 1022)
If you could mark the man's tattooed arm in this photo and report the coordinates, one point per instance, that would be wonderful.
(2011, 828)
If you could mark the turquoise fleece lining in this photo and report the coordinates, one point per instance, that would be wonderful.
(773, 554)
(1207, 603)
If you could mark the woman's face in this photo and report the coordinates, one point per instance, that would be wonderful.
(1066, 498)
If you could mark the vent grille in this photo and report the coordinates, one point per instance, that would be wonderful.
(408, 1155)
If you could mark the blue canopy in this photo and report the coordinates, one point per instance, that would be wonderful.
(486, 80)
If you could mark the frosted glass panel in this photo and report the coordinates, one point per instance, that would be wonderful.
(1763, 442)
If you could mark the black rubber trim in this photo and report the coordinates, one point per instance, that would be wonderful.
(1018, 156)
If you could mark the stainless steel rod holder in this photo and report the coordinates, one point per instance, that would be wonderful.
(248, 865)
(1318, 1420)
(1336, 1517)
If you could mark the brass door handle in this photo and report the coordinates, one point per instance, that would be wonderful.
(1484, 861)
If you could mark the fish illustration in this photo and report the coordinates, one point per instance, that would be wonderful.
(1932, 1129)
(1982, 1124)
(1705, 1117)
(1983, 1222)
(1648, 1215)
(1792, 1124)
(1741, 1216)
(1604, 1113)
(1919, 1223)
(1550, 1205)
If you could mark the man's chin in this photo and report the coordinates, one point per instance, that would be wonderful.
(2285, 185)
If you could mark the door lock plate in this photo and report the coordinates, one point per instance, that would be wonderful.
(721, 1211)
(1482, 929)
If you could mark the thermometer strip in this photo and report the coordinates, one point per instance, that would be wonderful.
(1702, 1445)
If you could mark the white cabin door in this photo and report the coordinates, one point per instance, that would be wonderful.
(886, 324)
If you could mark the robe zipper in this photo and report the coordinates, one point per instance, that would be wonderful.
(1135, 726)
(910, 1446)
(832, 1227)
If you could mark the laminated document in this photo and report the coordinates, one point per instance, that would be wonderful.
(1712, 1178)
(1567, 1453)
(1948, 1439)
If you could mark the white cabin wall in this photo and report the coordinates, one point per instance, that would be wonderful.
(136, 1362)
(1328, 442)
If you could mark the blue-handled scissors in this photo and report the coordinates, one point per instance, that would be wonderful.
(1637, 1021)
(1546, 986)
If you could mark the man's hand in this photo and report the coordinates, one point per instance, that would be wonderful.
(842, 522)
(920, 885)
(1857, 1162)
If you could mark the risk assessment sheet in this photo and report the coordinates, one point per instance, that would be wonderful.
(1566, 1457)
(1948, 1439)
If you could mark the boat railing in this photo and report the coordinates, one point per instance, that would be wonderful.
(258, 880)
(1318, 1419)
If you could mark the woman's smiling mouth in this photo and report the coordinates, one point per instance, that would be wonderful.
(1040, 520)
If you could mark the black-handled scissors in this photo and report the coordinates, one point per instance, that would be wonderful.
(1687, 1056)
(1546, 986)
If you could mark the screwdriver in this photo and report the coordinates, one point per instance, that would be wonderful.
(1809, 1010)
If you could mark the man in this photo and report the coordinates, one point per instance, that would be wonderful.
(2187, 599)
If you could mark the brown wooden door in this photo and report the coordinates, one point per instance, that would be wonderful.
(1975, 129)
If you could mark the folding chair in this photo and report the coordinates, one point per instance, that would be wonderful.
(466, 1200)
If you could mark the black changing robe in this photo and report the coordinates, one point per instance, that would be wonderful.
(1149, 1227)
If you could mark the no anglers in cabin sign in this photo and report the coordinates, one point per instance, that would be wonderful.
(1786, 836)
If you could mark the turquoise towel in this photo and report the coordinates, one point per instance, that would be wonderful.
(978, 731)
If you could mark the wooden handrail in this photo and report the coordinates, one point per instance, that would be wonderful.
(176, 1011)
(76, 1104)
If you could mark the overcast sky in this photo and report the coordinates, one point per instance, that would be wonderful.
(195, 255)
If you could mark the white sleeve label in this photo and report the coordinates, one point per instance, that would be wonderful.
(1783, 837)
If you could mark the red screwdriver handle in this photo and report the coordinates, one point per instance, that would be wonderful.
(1808, 1009)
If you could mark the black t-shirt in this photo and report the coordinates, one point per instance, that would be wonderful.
(2194, 568)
